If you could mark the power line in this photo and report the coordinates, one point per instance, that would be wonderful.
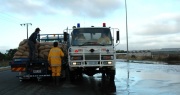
(9, 18)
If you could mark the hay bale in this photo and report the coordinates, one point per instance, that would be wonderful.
(41, 56)
(26, 46)
(16, 57)
(47, 47)
(22, 48)
(46, 53)
(23, 42)
(26, 53)
(41, 47)
(21, 51)
(24, 57)
(44, 50)
(18, 53)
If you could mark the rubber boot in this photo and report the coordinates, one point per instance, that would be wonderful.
(57, 80)
(54, 80)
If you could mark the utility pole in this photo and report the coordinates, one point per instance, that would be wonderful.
(26, 24)
(127, 32)
(127, 47)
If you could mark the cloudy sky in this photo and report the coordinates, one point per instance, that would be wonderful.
(152, 24)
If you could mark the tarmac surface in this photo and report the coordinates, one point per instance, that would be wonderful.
(132, 78)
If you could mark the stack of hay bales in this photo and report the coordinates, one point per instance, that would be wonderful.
(42, 50)
(23, 50)
(45, 47)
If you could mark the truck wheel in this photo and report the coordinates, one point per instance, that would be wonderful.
(72, 76)
(80, 76)
(103, 77)
(112, 75)
(63, 74)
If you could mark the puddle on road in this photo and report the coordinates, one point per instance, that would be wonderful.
(147, 79)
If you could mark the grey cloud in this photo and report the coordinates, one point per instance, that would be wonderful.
(162, 33)
(25, 7)
(162, 27)
(154, 42)
(89, 8)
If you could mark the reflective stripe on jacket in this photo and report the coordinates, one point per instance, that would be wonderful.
(55, 55)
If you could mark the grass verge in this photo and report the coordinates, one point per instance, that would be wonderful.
(4, 63)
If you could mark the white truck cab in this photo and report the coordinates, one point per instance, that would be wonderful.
(92, 51)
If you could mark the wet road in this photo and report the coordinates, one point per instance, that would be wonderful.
(131, 79)
(148, 79)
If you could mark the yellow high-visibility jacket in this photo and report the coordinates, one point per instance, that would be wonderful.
(55, 56)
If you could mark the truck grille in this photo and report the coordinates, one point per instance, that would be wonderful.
(92, 57)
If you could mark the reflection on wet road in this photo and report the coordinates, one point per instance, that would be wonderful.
(138, 78)
(147, 79)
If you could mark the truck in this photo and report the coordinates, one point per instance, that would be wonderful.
(38, 68)
(88, 56)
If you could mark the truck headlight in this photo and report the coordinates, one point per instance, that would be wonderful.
(76, 63)
(109, 62)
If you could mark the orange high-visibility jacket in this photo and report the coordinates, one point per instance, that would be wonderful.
(55, 56)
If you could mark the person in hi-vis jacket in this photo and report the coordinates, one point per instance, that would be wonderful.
(55, 60)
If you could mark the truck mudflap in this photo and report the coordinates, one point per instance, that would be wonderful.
(19, 64)
(18, 69)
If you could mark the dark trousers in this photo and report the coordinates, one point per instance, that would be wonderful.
(31, 50)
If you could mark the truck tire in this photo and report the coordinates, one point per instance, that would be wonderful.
(72, 76)
(112, 75)
(80, 75)
(75, 76)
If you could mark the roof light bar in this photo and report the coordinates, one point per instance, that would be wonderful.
(78, 24)
(104, 24)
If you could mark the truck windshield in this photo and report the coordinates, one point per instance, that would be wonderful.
(91, 36)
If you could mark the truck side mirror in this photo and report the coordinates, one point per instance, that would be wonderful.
(65, 36)
(117, 36)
